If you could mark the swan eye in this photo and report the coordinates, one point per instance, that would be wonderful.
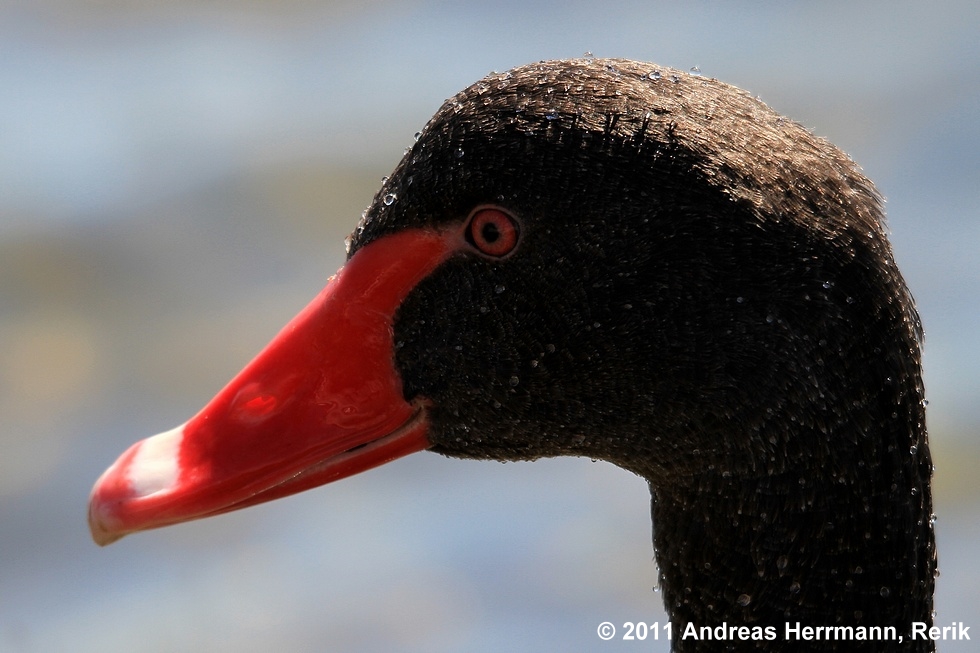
(493, 232)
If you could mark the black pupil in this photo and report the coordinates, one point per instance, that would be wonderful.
(490, 232)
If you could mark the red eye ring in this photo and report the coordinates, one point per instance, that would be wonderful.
(493, 232)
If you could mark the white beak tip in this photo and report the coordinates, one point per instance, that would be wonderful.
(148, 468)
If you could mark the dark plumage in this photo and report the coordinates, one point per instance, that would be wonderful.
(703, 295)
(617, 260)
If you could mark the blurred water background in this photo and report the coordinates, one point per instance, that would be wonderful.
(176, 180)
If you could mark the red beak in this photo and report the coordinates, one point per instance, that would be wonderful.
(321, 402)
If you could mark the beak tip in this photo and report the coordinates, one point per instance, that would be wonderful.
(149, 467)
(102, 534)
(104, 527)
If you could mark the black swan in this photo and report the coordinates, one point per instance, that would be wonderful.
(617, 260)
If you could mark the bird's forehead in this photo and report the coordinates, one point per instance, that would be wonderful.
(560, 131)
